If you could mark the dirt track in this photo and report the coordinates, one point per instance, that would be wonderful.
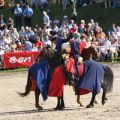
(13, 107)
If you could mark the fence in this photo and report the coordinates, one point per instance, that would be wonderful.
(112, 51)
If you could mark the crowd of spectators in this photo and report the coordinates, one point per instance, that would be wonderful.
(14, 37)
(65, 3)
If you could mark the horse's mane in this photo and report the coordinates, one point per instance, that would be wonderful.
(48, 53)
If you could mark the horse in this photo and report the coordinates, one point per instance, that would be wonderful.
(94, 76)
(45, 60)
(89, 73)
(54, 62)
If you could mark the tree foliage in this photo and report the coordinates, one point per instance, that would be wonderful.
(9, 3)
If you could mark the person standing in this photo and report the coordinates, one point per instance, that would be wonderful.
(18, 16)
(46, 19)
(2, 22)
(27, 13)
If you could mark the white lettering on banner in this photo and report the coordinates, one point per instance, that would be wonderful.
(19, 60)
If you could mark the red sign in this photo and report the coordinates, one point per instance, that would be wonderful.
(19, 59)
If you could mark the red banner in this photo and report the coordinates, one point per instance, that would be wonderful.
(19, 59)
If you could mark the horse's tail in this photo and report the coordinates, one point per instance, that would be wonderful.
(108, 79)
(28, 86)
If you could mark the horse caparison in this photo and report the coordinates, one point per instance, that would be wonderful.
(106, 85)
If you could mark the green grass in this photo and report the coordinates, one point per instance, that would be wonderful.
(16, 70)
(105, 17)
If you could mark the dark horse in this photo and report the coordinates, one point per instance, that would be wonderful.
(54, 60)
(95, 76)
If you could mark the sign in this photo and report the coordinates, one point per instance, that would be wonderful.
(19, 59)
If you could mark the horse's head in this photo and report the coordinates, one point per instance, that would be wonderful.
(46, 53)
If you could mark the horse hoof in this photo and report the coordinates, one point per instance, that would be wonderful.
(89, 106)
(59, 107)
(103, 102)
(62, 106)
(96, 102)
(105, 98)
(81, 105)
(39, 107)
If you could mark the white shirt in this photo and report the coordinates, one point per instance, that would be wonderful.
(2, 52)
(48, 42)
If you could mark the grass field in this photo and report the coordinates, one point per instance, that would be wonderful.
(105, 17)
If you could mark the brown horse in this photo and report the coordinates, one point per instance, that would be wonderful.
(47, 53)
(102, 78)
(54, 61)
(106, 85)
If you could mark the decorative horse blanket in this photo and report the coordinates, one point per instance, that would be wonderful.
(40, 74)
(92, 78)
(56, 85)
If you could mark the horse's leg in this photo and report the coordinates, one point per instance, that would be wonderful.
(58, 104)
(91, 104)
(78, 101)
(62, 102)
(104, 98)
(37, 94)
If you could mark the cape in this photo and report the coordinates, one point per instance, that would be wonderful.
(41, 77)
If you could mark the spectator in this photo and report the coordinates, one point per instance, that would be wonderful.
(28, 45)
(112, 29)
(27, 14)
(34, 48)
(22, 33)
(2, 22)
(43, 3)
(64, 2)
(92, 24)
(46, 19)
(1, 54)
(7, 39)
(14, 33)
(38, 43)
(113, 38)
(100, 36)
(19, 46)
(105, 50)
(47, 41)
(118, 32)
(81, 28)
(10, 22)
(18, 16)
(74, 15)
